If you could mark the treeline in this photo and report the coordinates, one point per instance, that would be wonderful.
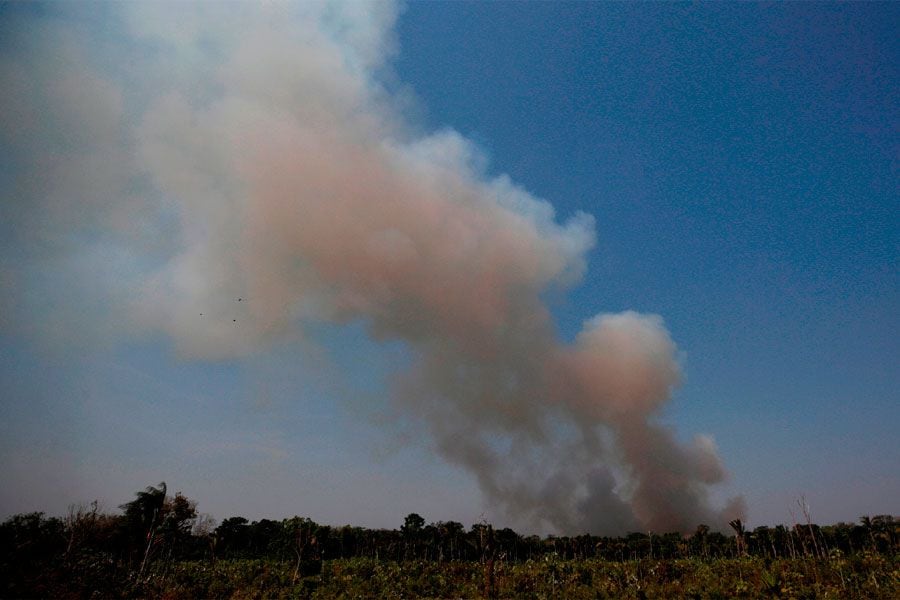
(450, 540)
(157, 529)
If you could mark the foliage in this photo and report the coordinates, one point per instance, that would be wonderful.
(160, 547)
(550, 577)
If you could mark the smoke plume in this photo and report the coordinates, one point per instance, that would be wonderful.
(261, 153)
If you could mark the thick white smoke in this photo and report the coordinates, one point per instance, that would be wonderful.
(265, 136)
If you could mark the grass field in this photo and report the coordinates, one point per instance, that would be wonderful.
(866, 575)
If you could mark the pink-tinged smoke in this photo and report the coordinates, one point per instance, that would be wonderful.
(296, 182)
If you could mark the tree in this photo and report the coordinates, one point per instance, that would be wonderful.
(155, 522)
(412, 532)
(412, 524)
(178, 517)
(452, 536)
(700, 538)
(233, 536)
(142, 516)
(739, 531)
(142, 513)
(508, 543)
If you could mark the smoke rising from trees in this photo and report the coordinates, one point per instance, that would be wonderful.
(191, 159)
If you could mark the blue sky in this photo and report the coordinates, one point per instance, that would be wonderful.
(740, 163)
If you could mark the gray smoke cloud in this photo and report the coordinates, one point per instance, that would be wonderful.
(197, 155)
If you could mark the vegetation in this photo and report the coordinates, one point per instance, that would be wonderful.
(161, 547)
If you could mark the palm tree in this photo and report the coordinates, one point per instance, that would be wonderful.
(739, 530)
(144, 513)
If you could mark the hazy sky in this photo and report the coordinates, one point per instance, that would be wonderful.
(560, 266)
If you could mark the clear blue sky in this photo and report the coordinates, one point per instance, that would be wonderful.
(740, 161)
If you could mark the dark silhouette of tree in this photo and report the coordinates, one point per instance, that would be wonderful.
(264, 539)
(142, 516)
(155, 524)
(412, 533)
(143, 512)
(93, 554)
(700, 540)
(412, 524)
(739, 531)
(508, 543)
(232, 537)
